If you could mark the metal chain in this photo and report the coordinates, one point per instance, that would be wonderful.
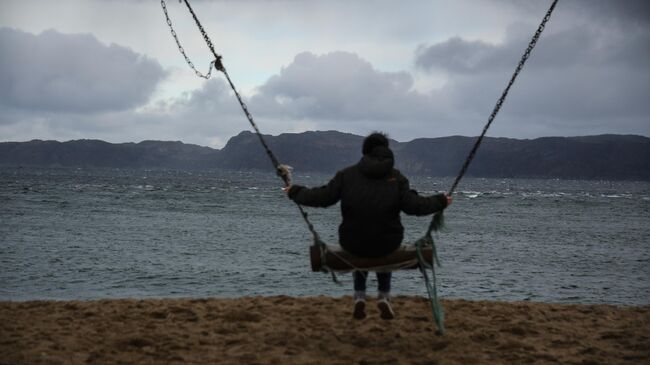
(281, 170)
(180, 47)
(437, 219)
(208, 41)
(219, 66)
(497, 107)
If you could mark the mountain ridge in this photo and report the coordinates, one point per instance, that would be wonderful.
(607, 157)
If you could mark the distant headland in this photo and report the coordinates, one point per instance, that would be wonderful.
(606, 157)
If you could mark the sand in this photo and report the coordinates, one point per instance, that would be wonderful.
(318, 330)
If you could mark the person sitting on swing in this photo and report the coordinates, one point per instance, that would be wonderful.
(372, 194)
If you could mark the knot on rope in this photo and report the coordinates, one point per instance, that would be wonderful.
(437, 223)
(218, 64)
(431, 285)
(323, 254)
(427, 240)
(284, 171)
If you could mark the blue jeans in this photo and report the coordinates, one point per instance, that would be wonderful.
(383, 281)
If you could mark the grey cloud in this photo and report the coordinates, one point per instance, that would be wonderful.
(214, 96)
(205, 114)
(206, 117)
(338, 90)
(585, 33)
(565, 90)
(582, 78)
(625, 12)
(461, 56)
(579, 46)
(339, 85)
(72, 73)
(622, 11)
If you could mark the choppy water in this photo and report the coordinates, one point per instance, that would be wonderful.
(88, 233)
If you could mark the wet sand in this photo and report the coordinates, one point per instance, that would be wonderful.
(318, 330)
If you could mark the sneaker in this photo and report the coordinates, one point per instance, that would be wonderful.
(385, 309)
(359, 309)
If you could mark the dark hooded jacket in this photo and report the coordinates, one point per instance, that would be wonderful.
(372, 194)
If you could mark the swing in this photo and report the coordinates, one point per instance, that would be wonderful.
(337, 259)
(420, 255)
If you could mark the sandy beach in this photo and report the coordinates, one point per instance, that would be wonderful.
(318, 330)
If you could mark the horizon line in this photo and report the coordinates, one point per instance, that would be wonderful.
(321, 131)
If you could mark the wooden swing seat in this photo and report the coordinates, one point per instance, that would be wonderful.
(337, 259)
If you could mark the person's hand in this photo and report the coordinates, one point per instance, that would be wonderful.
(286, 189)
(449, 199)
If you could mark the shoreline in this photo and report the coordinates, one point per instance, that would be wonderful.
(318, 330)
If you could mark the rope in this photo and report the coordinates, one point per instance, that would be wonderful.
(499, 103)
(436, 222)
(218, 64)
(432, 287)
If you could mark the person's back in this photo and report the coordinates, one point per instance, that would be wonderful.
(372, 194)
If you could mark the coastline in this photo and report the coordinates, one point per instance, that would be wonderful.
(318, 330)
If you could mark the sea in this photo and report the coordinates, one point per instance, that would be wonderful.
(88, 233)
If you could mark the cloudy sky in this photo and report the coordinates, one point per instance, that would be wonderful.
(109, 69)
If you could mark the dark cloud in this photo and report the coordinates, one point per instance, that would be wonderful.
(582, 78)
(625, 12)
(204, 116)
(339, 85)
(579, 46)
(209, 111)
(72, 73)
(628, 12)
(461, 56)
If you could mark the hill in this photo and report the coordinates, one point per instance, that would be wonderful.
(95, 153)
(609, 157)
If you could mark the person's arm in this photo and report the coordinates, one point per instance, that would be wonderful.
(414, 204)
(322, 196)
